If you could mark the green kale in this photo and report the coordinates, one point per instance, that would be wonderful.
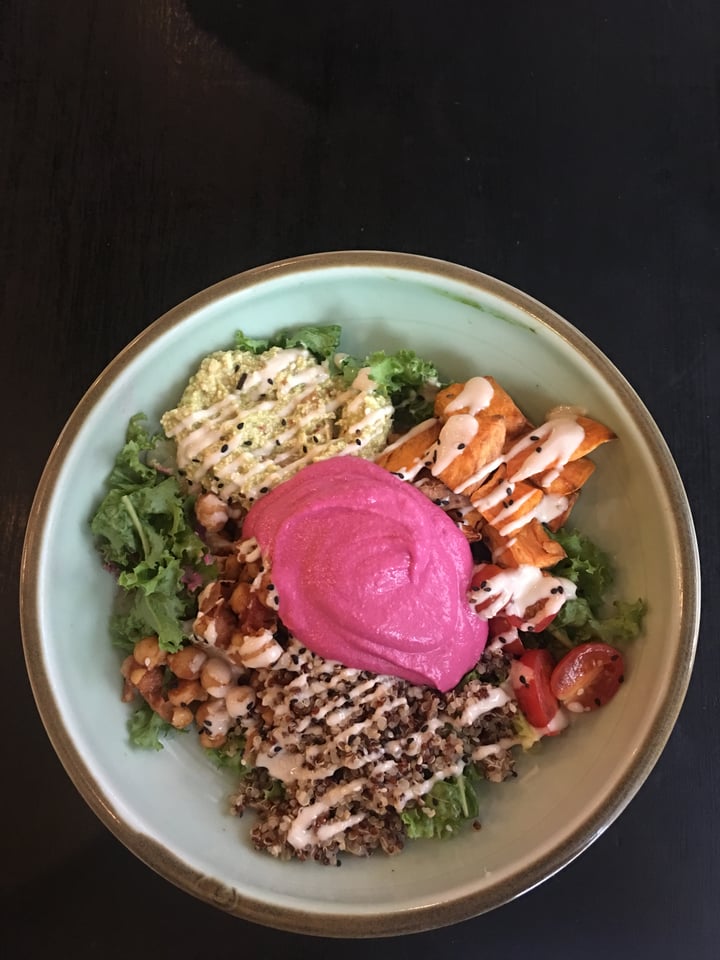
(321, 340)
(144, 532)
(447, 805)
(146, 728)
(587, 617)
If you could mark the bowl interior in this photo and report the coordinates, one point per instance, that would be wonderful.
(170, 808)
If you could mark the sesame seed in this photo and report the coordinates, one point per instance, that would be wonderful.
(358, 442)
(224, 448)
(284, 422)
(247, 443)
(264, 489)
(538, 449)
(304, 448)
(240, 426)
(508, 490)
(270, 381)
(461, 446)
(241, 381)
(534, 438)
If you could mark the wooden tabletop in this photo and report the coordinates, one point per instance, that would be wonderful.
(148, 150)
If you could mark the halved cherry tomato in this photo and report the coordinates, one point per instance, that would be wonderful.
(530, 679)
(588, 676)
(500, 627)
(482, 582)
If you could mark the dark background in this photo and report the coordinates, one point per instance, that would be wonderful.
(149, 149)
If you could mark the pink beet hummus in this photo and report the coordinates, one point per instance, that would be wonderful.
(369, 572)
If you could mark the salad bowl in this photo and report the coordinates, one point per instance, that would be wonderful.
(569, 789)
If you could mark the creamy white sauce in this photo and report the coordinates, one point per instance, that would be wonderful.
(476, 395)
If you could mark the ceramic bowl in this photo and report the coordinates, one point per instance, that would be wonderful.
(169, 808)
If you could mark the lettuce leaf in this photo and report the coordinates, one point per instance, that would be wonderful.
(144, 533)
(587, 617)
(447, 805)
(321, 340)
(146, 728)
(406, 379)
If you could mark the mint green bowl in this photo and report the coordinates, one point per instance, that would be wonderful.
(170, 808)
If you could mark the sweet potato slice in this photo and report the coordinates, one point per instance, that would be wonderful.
(483, 448)
(561, 518)
(501, 403)
(531, 544)
(571, 478)
(595, 434)
(522, 501)
(409, 449)
(548, 448)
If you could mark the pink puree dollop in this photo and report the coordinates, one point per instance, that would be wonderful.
(369, 572)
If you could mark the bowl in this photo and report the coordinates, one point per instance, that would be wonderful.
(569, 788)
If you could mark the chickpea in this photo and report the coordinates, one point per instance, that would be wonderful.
(216, 676)
(136, 676)
(212, 742)
(148, 654)
(240, 598)
(181, 717)
(187, 691)
(187, 663)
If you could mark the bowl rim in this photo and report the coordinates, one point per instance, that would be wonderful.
(363, 923)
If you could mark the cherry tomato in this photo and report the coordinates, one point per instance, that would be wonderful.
(588, 676)
(530, 679)
(511, 641)
(485, 595)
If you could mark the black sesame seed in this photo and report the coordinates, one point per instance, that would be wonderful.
(534, 438)
(241, 381)
(264, 489)
(560, 590)
(224, 448)
(304, 449)
(270, 381)
(502, 640)
(523, 681)
(237, 367)
(277, 443)
(598, 702)
(538, 449)
(483, 584)
(240, 426)
(247, 443)
(358, 442)
(508, 490)
(461, 446)
(511, 502)
(271, 586)
(315, 439)
(284, 422)
(487, 589)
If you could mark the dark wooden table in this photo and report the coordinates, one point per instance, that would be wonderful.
(148, 149)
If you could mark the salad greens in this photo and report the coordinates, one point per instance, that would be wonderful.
(586, 616)
(144, 530)
(447, 805)
(147, 728)
(406, 379)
